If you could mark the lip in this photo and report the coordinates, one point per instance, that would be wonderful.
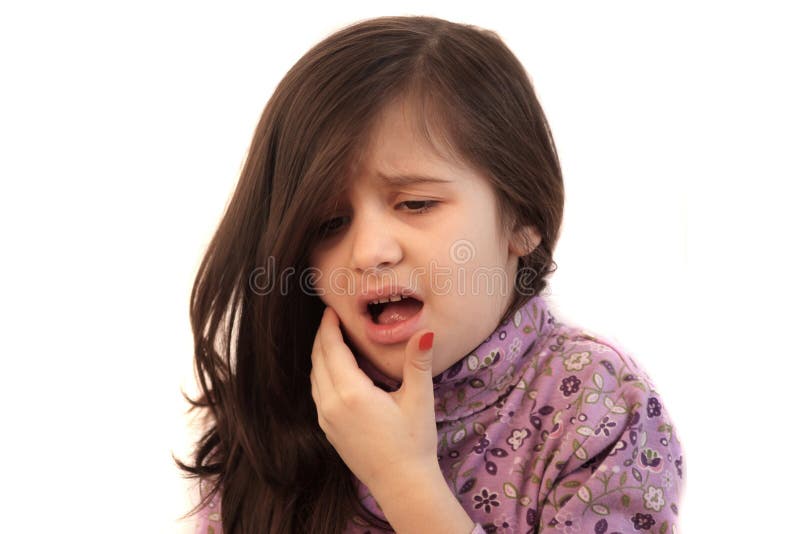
(390, 334)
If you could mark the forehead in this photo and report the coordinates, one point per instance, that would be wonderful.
(405, 148)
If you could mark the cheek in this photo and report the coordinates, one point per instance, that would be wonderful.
(317, 282)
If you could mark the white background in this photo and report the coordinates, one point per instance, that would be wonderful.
(122, 132)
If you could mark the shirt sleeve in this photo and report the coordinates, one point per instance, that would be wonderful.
(618, 465)
(209, 521)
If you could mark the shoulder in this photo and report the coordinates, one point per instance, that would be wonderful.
(598, 401)
(586, 368)
(613, 445)
(613, 459)
(209, 518)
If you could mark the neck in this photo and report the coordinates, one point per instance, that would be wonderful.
(494, 368)
(490, 371)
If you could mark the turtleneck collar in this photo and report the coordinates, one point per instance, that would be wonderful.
(490, 371)
(493, 368)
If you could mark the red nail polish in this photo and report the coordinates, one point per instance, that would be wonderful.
(426, 341)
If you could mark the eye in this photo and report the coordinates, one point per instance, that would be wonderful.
(331, 226)
(419, 206)
(335, 224)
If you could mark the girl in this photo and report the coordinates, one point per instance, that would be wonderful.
(372, 344)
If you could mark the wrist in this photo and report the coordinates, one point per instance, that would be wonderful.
(401, 482)
(421, 501)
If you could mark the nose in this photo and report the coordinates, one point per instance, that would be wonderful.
(375, 244)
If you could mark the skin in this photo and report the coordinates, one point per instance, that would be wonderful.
(402, 473)
(378, 231)
(383, 236)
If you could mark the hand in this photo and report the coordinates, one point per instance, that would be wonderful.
(388, 440)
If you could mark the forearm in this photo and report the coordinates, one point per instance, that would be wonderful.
(424, 505)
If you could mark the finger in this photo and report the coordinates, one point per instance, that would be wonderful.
(340, 363)
(321, 421)
(319, 369)
(417, 384)
(314, 390)
(315, 396)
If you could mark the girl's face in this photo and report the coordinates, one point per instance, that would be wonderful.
(440, 240)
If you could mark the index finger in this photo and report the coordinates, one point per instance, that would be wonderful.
(319, 371)
(339, 360)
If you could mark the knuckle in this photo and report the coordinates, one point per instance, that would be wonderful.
(326, 409)
(323, 424)
(351, 398)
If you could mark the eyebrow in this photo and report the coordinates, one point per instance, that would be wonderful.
(401, 180)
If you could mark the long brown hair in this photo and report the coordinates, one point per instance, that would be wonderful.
(253, 331)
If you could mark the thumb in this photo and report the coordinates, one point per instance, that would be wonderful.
(418, 367)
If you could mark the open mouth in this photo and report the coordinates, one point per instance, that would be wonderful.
(394, 309)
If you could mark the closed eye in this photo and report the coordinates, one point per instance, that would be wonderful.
(416, 207)
(419, 206)
(331, 226)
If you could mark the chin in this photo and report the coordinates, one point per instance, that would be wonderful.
(395, 372)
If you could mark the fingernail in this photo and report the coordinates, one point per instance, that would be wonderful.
(426, 341)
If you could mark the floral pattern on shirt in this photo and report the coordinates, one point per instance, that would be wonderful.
(209, 519)
(546, 428)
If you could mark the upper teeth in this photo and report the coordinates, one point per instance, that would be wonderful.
(393, 298)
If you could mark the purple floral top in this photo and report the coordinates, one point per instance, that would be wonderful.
(547, 428)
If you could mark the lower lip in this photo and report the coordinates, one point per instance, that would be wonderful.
(389, 334)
